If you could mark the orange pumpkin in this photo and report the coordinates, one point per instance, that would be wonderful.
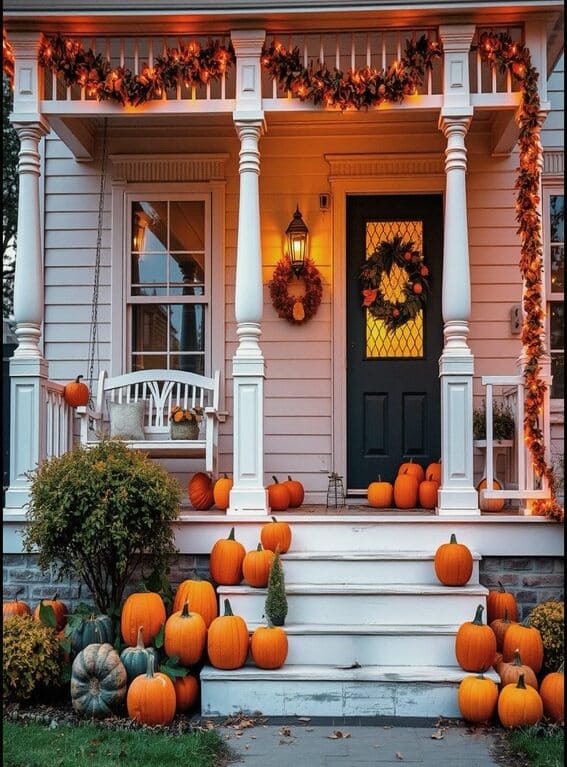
(427, 493)
(453, 563)
(406, 488)
(415, 469)
(276, 534)
(201, 596)
(76, 393)
(296, 492)
(552, 692)
(490, 504)
(15, 607)
(227, 640)
(498, 659)
(151, 697)
(144, 608)
(226, 559)
(59, 609)
(528, 641)
(256, 566)
(278, 495)
(186, 692)
(500, 626)
(268, 646)
(201, 493)
(519, 705)
(510, 672)
(477, 698)
(475, 644)
(380, 494)
(185, 635)
(433, 472)
(500, 603)
(221, 492)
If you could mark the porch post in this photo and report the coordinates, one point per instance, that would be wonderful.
(248, 494)
(28, 367)
(457, 494)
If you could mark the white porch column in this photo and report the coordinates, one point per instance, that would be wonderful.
(248, 494)
(28, 367)
(457, 494)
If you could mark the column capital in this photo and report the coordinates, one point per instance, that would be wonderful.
(456, 37)
(248, 124)
(248, 42)
(455, 119)
(32, 126)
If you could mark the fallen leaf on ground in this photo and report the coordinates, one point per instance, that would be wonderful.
(399, 756)
(387, 727)
(437, 735)
(286, 732)
(338, 734)
(303, 718)
(309, 729)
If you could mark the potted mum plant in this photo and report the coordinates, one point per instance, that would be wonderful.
(185, 423)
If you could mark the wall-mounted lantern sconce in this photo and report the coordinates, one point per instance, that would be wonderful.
(296, 234)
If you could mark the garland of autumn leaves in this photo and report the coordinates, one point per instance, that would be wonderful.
(296, 309)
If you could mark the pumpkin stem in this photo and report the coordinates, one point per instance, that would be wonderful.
(275, 478)
(140, 640)
(517, 658)
(231, 535)
(78, 379)
(502, 589)
(227, 608)
(54, 597)
(150, 666)
(453, 538)
(379, 478)
(521, 684)
(505, 619)
(259, 548)
(185, 611)
(561, 668)
(18, 591)
(274, 519)
(527, 622)
(289, 479)
(478, 616)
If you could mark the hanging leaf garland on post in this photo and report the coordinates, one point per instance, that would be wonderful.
(388, 254)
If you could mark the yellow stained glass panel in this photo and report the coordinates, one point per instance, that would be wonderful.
(406, 341)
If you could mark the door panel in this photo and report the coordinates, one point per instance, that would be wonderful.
(393, 395)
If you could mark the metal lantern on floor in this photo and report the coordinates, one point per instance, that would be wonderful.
(335, 492)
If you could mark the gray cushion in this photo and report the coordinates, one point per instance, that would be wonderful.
(127, 419)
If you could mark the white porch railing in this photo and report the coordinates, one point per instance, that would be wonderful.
(58, 422)
(528, 486)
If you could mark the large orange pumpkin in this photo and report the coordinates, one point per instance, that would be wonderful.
(201, 492)
(406, 488)
(256, 566)
(226, 559)
(227, 640)
(415, 469)
(15, 607)
(519, 705)
(59, 609)
(278, 495)
(186, 692)
(427, 493)
(453, 563)
(380, 494)
(509, 672)
(477, 698)
(201, 596)
(500, 603)
(296, 492)
(526, 639)
(276, 534)
(433, 472)
(144, 608)
(76, 393)
(221, 492)
(500, 626)
(268, 646)
(475, 644)
(490, 504)
(185, 635)
(552, 693)
(151, 697)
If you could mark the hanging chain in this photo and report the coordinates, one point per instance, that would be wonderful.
(93, 337)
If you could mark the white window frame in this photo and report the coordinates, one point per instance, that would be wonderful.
(550, 190)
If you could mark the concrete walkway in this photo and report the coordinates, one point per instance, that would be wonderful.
(303, 742)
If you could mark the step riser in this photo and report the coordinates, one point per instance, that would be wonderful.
(368, 609)
(327, 698)
(358, 572)
(371, 650)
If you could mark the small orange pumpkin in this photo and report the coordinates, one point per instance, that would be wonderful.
(268, 647)
(453, 564)
(278, 495)
(296, 492)
(500, 626)
(15, 607)
(256, 566)
(185, 635)
(406, 488)
(433, 472)
(380, 494)
(519, 705)
(477, 698)
(427, 493)
(475, 644)
(144, 608)
(225, 563)
(500, 603)
(76, 393)
(276, 534)
(227, 640)
(201, 493)
(151, 697)
(527, 639)
(202, 597)
(186, 692)
(221, 492)
(510, 672)
(415, 469)
(552, 691)
(490, 504)
(59, 609)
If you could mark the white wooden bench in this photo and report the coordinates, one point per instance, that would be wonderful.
(160, 390)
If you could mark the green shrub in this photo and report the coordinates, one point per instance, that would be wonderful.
(502, 422)
(100, 513)
(549, 618)
(31, 658)
(276, 600)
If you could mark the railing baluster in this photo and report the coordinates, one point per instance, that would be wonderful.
(337, 52)
(136, 69)
(384, 52)
(368, 51)
(352, 52)
(489, 439)
(121, 51)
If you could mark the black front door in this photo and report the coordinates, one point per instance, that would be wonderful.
(393, 393)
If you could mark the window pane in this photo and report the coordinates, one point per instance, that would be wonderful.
(149, 269)
(149, 226)
(556, 318)
(149, 328)
(557, 268)
(187, 225)
(187, 327)
(558, 373)
(557, 217)
(190, 363)
(149, 362)
(187, 268)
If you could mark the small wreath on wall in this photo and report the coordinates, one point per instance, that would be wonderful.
(415, 291)
(296, 309)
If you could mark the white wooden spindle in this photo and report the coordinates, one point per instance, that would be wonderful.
(352, 53)
(489, 439)
(478, 71)
(136, 53)
(368, 51)
(337, 53)
(384, 58)
(150, 52)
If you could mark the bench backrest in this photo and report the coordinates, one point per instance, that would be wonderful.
(161, 390)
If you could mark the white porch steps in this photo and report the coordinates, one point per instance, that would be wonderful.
(370, 633)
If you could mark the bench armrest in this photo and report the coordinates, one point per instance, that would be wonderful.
(85, 413)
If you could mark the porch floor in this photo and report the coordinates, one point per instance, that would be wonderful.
(354, 509)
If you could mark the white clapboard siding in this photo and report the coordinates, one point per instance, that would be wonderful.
(553, 133)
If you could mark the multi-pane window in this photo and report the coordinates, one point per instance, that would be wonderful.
(555, 248)
(168, 294)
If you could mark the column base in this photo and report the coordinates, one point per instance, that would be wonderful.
(459, 502)
(248, 501)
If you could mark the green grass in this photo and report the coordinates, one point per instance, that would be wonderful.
(33, 745)
(542, 748)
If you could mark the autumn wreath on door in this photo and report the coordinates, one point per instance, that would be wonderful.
(389, 254)
(296, 308)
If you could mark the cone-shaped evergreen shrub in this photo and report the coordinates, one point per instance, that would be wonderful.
(276, 601)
